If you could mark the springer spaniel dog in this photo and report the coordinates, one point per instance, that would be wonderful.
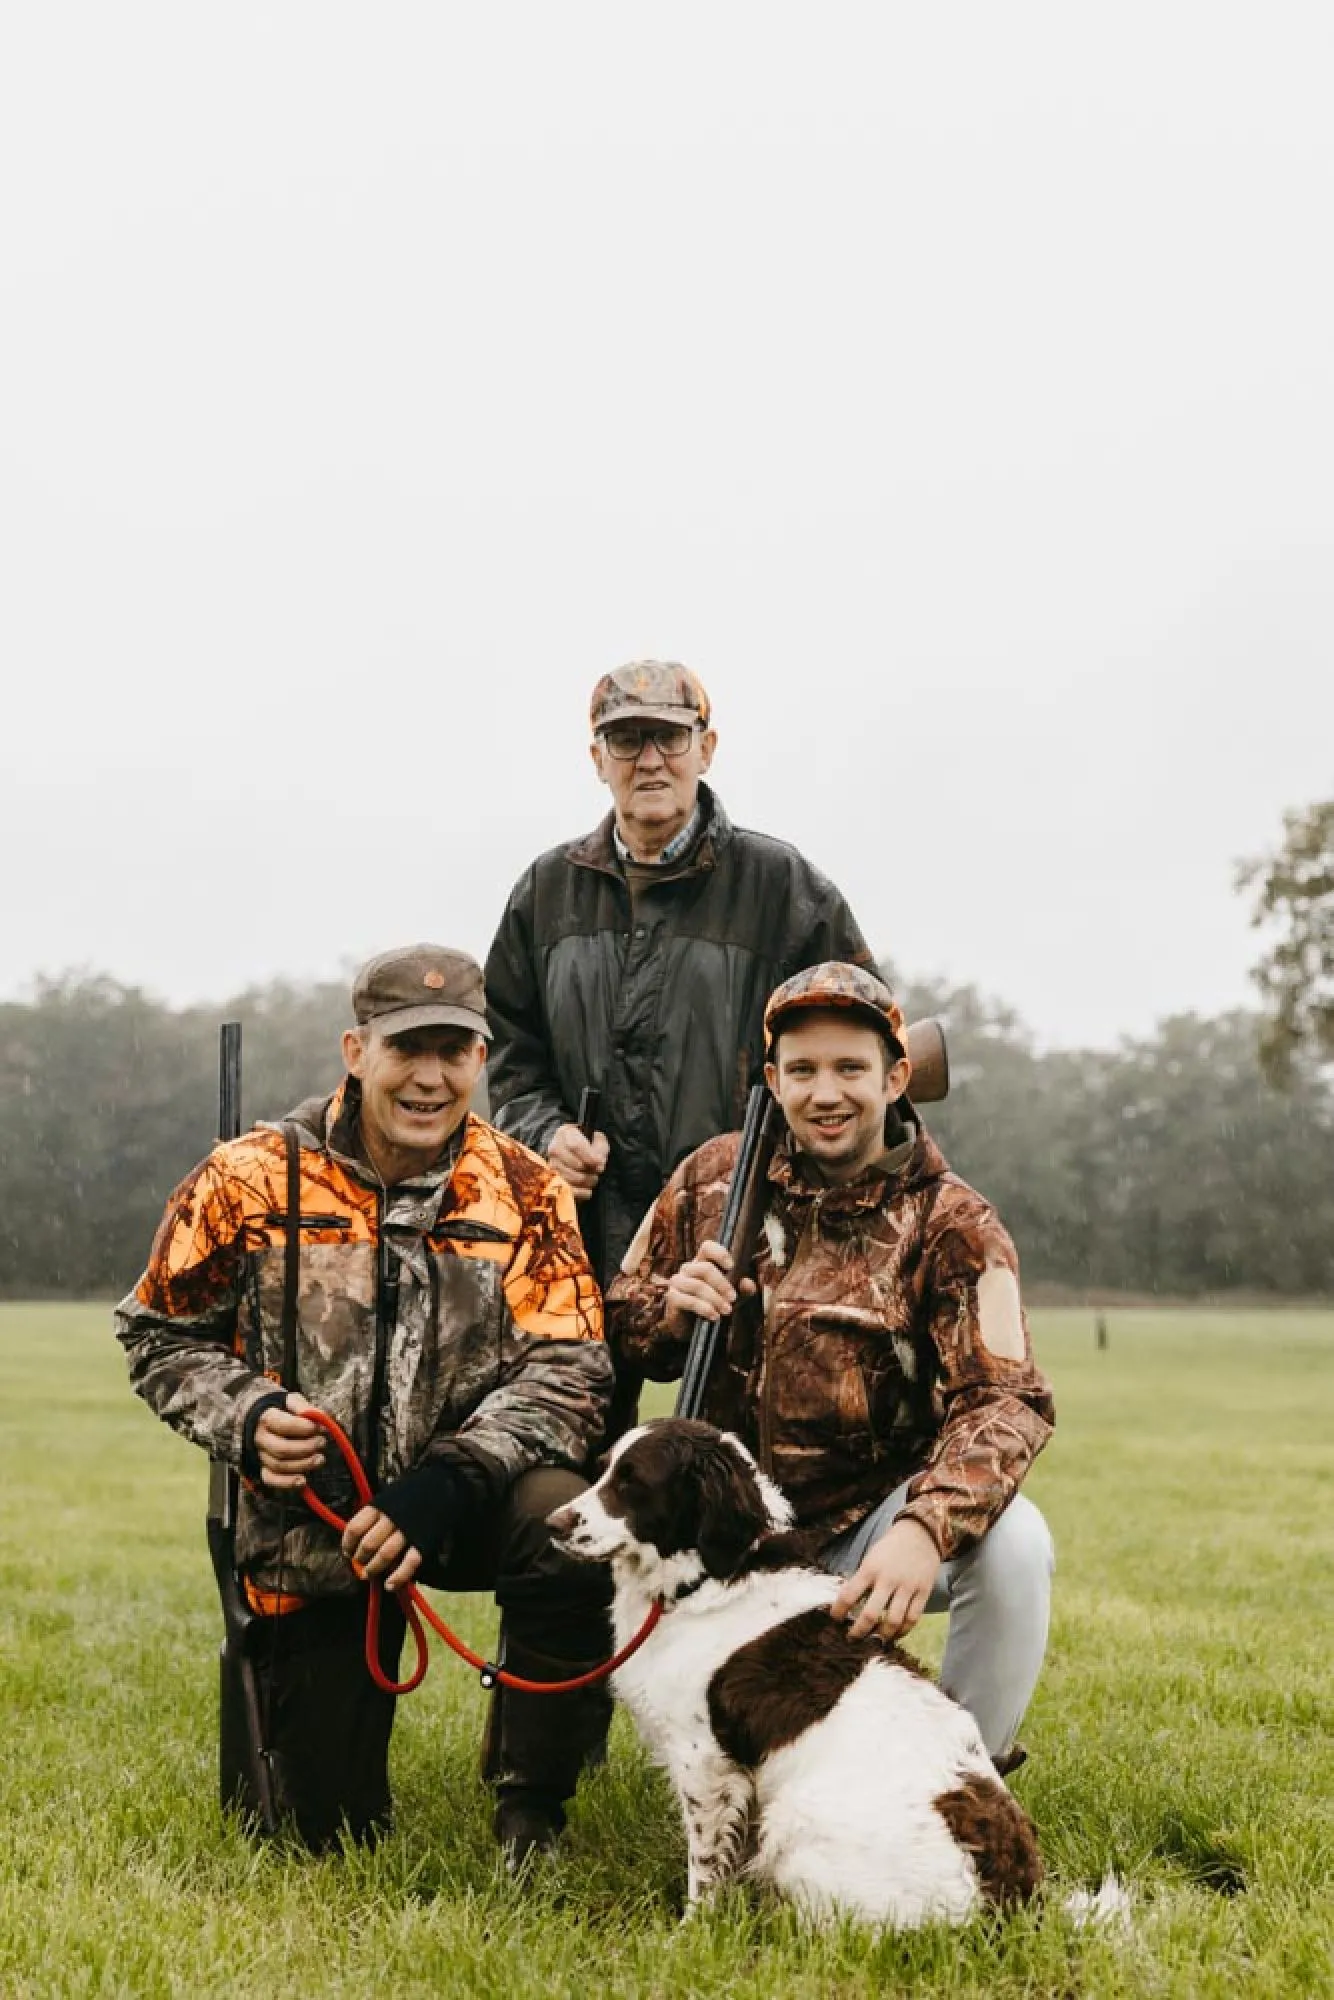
(834, 1769)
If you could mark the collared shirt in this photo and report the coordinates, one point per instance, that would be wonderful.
(678, 845)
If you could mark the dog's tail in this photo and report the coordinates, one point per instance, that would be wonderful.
(1104, 1908)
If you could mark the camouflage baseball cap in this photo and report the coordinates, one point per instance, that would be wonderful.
(836, 985)
(649, 691)
(421, 986)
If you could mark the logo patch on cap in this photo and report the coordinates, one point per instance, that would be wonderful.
(433, 979)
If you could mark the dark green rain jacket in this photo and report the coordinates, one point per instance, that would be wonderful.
(658, 1002)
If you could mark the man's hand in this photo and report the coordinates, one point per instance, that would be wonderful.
(578, 1160)
(895, 1580)
(288, 1445)
(703, 1288)
(375, 1545)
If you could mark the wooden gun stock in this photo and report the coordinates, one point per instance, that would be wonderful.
(925, 1043)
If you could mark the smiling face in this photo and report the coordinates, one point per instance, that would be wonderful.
(834, 1078)
(654, 795)
(415, 1090)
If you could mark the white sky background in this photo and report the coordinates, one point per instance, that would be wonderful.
(952, 387)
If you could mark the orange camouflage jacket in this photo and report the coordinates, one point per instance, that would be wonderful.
(487, 1344)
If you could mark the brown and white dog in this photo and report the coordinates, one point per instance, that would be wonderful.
(834, 1769)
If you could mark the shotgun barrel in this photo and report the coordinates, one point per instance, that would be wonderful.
(740, 1226)
(244, 1774)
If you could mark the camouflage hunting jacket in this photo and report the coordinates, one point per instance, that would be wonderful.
(887, 1340)
(655, 998)
(489, 1344)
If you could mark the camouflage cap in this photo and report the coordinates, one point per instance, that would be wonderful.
(649, 691)
(421, 986)
(836, 985)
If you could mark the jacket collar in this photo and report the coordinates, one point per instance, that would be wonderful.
(331, 1124)
(598, 848)
(873, 1189)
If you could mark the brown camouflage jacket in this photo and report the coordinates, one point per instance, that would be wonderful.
(495, 1348)
(887, 1341)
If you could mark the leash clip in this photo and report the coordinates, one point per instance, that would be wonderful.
(489, 1675)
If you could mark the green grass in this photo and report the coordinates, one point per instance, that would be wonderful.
(1183, 1732)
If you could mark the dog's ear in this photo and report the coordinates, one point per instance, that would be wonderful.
(732, 1513)
(777, 1504)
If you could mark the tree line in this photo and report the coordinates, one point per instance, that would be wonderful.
(1170, 1165)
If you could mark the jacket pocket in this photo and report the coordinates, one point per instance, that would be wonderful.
(819, 1389)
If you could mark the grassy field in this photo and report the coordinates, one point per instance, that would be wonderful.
(1183, 1732)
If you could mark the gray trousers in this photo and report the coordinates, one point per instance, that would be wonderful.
(998, 1597)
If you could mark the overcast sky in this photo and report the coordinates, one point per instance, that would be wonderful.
(949, 386)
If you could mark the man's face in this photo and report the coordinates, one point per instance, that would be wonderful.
(652, 789)
(414, 1089)
(834, 1081)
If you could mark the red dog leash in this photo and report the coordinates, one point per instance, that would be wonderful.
(416, 1607)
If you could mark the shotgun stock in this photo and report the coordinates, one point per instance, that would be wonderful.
(925, 1043)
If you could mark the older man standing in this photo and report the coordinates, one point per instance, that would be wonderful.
(638, 960)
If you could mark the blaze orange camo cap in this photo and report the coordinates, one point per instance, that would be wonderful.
(421, 986)
(835, 985)
(649, 691)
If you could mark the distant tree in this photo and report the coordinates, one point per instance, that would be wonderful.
(1013, 1124)
(1294, 896)
(108, 1098)
(1210, 1180)
(1167, 1165)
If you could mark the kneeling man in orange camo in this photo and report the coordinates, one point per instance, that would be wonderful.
(441, 1307)
(878, 1361)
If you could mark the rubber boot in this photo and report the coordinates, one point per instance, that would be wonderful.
(490, 1759)
(543, 1743)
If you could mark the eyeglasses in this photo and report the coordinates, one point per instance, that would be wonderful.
(626, 740)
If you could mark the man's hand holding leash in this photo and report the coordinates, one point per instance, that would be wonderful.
(373, 1545)
(287, 1445)
(290, 1447)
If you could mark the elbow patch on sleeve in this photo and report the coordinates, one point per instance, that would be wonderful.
(1000, 1320)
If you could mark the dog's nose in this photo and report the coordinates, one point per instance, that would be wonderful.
(562, 1521)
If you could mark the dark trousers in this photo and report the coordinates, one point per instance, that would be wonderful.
(328, 1725)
